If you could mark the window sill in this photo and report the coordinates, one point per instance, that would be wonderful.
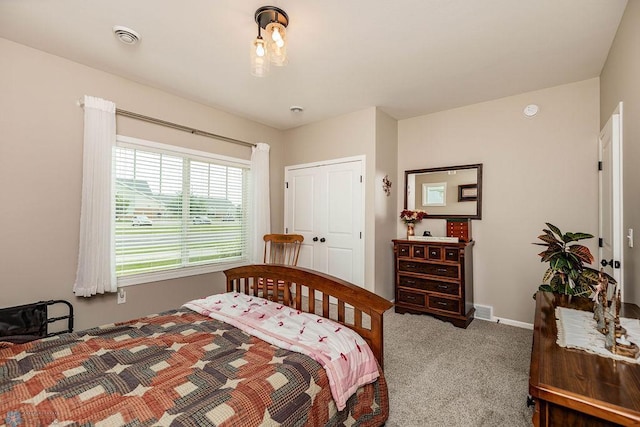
(139, 279)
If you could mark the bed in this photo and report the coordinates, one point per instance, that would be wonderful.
(183, 368)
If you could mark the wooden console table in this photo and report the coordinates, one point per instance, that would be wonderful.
(575, 388)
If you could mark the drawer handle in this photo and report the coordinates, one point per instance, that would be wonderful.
(434, 253)
(411, 297)
(443, 287)
(411, 282)
(442, 303)
(410, 265)
(441, 270)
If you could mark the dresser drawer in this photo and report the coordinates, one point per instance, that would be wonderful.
(412, 298)
(404, 250)
(444, 304)
(419, 251)
(434, 253)
(452, 254)
(430, 285)
(443, 270)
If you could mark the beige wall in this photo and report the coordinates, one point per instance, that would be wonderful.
(41, 172)
(374, 134)
(536, 170)
(620, 81)
(343, 136)
(386, 214)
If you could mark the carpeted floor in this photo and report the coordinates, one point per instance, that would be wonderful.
(440, 375)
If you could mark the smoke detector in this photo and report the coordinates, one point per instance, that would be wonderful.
(126, 35)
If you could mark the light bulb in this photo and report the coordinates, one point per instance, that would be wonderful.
(260, 48)
(275, 35)
(259, 58)
(279, 42)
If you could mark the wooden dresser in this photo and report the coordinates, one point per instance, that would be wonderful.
(575, 388)
(435, 278)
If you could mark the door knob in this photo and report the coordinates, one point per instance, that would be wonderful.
(315, 239)
(611, 263)
(323, 240)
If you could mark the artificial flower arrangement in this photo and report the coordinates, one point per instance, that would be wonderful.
(411, 217)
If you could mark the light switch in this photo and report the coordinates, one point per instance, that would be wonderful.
(630, 237)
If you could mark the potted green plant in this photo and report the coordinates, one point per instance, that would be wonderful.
(567, 272)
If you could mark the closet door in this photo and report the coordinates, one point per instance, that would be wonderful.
(325, 204)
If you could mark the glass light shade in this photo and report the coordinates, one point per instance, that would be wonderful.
(259, 58)
(277, 43)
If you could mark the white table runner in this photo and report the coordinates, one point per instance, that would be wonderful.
(577, 329)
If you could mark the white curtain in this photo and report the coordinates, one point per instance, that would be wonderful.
(96, 263)
(261, 205)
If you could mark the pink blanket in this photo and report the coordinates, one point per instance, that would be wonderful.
(343, 353)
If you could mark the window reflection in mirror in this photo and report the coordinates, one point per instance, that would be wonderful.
(434, 194)
(447, 192)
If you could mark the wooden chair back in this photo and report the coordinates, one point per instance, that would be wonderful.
(282, 248)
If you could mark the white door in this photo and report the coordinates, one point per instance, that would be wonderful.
(610, 197)
(325, 203)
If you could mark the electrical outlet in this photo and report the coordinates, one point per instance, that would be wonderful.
(122, 296)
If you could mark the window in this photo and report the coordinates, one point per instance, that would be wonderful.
(434, 194)
(176, 211)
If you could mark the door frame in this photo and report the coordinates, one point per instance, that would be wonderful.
(617, 228)
(351, 159)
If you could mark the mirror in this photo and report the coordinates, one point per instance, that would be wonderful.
(447, 192)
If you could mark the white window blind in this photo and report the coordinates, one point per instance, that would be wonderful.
(177, 210)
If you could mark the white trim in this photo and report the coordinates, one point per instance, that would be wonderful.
(617, 221)
(160, 148)
(177, 273)
(130, 142)
(510, 322)
(361, 158)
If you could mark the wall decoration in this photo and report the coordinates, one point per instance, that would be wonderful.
(468, 193)
(386, 185)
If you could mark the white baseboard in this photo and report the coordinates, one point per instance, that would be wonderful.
(502, 320)
(509, 322)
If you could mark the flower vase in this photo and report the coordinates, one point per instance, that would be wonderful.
(410, 230)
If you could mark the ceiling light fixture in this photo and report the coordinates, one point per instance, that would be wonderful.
(273, 50)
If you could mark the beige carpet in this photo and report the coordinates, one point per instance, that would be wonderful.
(440, 375)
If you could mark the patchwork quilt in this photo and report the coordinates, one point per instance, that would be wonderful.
(343, 353)
(177, 368)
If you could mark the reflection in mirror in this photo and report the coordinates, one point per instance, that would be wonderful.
(447, 192)
(434, 194)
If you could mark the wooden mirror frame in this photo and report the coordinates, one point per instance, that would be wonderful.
(478, 167)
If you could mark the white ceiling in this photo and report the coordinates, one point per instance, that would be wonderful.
(408, 57)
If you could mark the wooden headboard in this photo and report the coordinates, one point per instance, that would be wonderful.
(335, 299)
